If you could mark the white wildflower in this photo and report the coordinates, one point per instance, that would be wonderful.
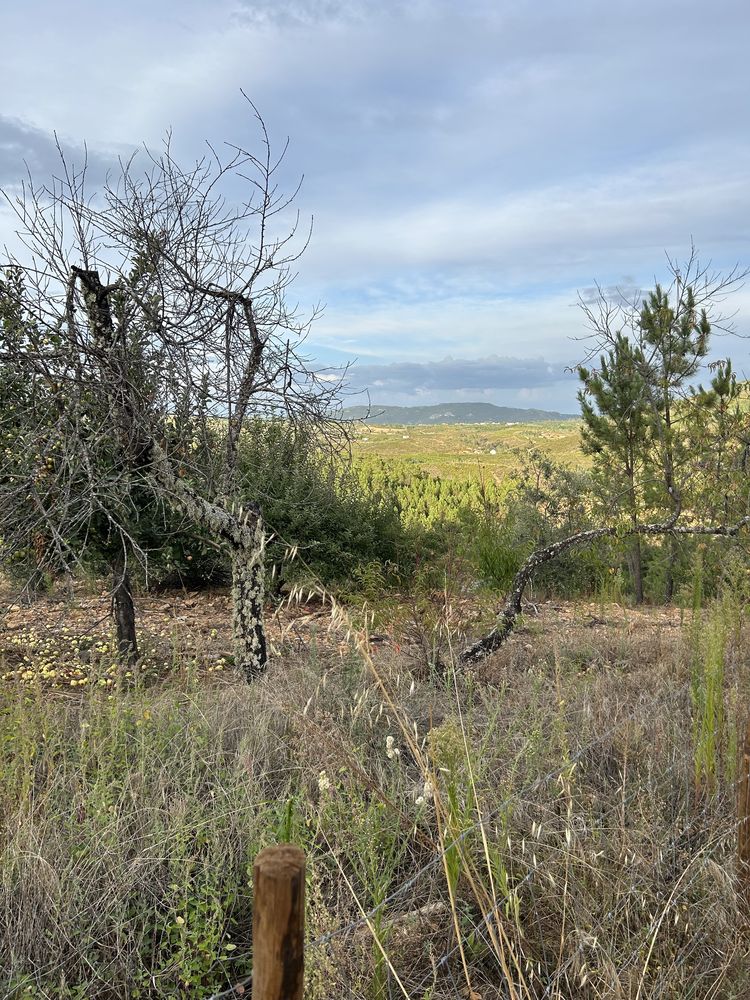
(324, 783)
(391, 751)
(428, 791)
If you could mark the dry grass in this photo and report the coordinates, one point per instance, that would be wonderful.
(529, 830)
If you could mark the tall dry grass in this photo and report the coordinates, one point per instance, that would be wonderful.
(533, 830)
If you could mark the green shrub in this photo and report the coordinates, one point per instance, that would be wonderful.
(498, 552)
(312, 502)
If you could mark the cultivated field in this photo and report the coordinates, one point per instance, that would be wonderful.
(472, 450)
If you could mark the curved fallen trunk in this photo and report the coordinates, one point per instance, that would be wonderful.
(509, 616)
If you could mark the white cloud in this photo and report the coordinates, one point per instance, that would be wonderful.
(476, 375)
(468, 169)
(588, 229)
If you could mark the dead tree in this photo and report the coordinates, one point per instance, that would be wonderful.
(155, 318)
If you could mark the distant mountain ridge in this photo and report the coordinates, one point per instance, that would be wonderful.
(452, 413)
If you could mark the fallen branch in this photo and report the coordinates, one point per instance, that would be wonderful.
(509, 616)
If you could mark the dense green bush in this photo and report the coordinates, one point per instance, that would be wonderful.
(313, 504)
(549, 502)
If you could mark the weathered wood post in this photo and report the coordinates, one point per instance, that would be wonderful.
(278, 923)
(743, 816)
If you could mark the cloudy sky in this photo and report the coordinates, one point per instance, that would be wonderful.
(470, 166)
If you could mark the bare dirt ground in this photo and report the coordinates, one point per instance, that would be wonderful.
(68, 634)
(57, 639)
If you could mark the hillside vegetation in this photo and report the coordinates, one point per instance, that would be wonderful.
(472, 451)
(450, 413)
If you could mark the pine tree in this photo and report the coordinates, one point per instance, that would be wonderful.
(720, 431)
(615, 431)
(674, 340)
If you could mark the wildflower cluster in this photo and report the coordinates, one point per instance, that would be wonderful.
(426, 794)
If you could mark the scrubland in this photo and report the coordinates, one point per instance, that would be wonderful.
(558, 822)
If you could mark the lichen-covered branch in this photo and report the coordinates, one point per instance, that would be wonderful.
(242, 530)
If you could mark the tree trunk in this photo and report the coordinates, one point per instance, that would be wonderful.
(250, 653)
(669, 575)
(635, 558)
(511, 612)
(124, 611)
(636, 568)
(243, 532)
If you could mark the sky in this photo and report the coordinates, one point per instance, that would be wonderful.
(470, 167)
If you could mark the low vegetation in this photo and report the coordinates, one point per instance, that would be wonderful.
(558, 820)
(550, 824)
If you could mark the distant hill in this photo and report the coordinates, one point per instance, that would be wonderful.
(452, 413)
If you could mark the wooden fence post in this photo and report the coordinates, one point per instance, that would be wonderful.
(279, 923)
(743, 816)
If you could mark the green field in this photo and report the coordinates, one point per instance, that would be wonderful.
(461, 451)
